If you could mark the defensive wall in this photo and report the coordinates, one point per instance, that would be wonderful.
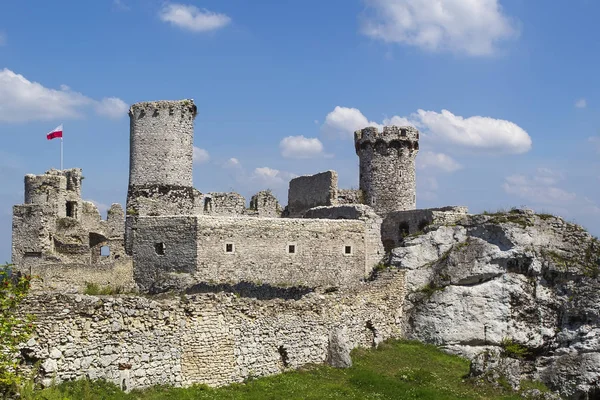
(177, 252)
(212, 339)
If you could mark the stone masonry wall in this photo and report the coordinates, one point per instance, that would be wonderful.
(213, 339)
(275, 251)
(387, 167)
(226, 204)
(360, 212)
(306, 192)
(399, 224)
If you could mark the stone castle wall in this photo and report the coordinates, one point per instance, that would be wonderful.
(178, 252)
(397, 225)
(213, 339)
(387, 167)
(306, 192)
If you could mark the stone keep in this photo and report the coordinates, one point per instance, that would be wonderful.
(161, 157)
(387, 167)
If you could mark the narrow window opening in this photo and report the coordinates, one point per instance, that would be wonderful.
(72, 209)
(159, 248)
(33, 254)
(104, 251)
(283, 354)
(347, 249)
(229, 248)
(207, 204)
(292, 248)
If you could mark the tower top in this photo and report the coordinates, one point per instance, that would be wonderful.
(153, 107)
(402, 135)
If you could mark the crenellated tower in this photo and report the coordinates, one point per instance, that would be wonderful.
(161, 158)
(387, 167)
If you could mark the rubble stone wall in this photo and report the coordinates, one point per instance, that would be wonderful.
(213, 339)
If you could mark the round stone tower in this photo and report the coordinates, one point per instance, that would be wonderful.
(161, 158)
(387, 167)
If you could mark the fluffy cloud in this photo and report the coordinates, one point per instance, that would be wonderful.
(192, 18)
(22, 100)
(472, 27)
(270, 177)
(477, 133)
(343, 121)
(429, 159)
(540, 188)
(112, 107)
(581, 103)
(300, 147)
(200, 156)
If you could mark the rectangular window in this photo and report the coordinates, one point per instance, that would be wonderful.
(159, 249)
(292, 248)
(72, 209)
(347, 249)
(104, 251)
(229, 248)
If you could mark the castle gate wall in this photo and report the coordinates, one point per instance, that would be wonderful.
(312, 191)
(213, 339)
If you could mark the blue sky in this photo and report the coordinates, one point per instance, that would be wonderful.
(505, 93)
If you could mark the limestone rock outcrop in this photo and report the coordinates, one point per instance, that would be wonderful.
(512, 285)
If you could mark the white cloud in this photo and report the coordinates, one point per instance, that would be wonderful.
(192, 18)
(2, 38)
(200, 156)
(478, 133)
(539, 189)
(581, 103)
(343, 121)
(472, 27)
(22, 100)
(429, 159)
(112, 107)
(233, 163)
(269, 177)
(120, 5)
(300, 147)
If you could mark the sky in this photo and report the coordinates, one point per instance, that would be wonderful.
(505, 94)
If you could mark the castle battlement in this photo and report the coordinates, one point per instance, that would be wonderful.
(393, 136)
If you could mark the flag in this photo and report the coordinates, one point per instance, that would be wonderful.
(56, 133)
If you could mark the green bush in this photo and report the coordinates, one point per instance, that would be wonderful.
(14, 329)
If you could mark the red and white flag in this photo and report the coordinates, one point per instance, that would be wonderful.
(56, 132)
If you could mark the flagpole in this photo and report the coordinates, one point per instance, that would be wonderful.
(61, 153)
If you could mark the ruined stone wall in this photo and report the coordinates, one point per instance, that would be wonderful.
(161, 158)
(387, 167)
(372, 221)
(350, 196)
(164, 252)
(399, 224)
(62, 239)
(306, 192)
(213, 339)
(226, 204)
(265, 204)
(277, 251)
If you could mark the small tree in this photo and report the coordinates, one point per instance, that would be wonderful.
(14, 328)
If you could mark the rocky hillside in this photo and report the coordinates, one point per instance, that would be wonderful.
(516, 292)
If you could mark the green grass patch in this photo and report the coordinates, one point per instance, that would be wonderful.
(514, 350)
(396, 370)
(95, 290)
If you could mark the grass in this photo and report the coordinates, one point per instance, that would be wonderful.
(396, 370)
(94, 289)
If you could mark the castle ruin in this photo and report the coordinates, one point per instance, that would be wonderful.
(173, 237)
